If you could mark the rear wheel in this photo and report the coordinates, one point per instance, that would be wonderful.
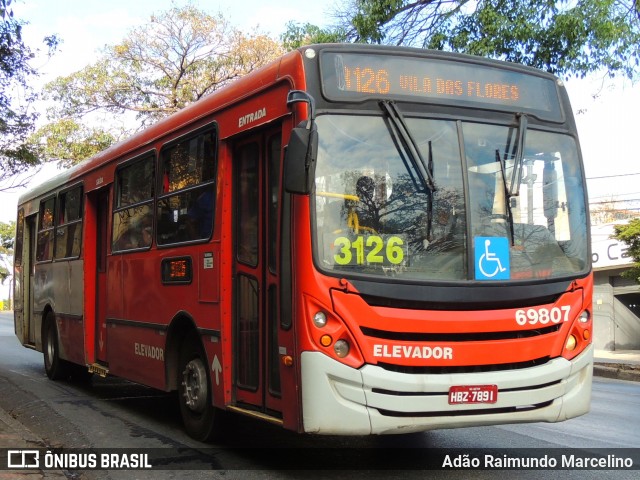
(54, 366)
(201, 420)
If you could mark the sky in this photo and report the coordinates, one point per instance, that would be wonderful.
(605, 109)
(86, 26)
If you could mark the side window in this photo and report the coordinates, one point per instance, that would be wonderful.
(69, 223)
(133, 205)
(273, 150)
(17, 260)
(248, 204)
(187, 191)
(44, 249)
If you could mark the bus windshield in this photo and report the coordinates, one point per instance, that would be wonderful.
(375, 215)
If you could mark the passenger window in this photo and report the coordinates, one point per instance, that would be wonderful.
(187, 199)
(248, 204)
(44, 249)
(133, 211)
(69, 229)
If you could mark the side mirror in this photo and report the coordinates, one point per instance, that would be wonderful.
(299, 159)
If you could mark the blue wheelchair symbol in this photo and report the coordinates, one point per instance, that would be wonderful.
(492, 258)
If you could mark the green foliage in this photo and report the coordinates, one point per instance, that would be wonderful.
(558, 37)
(630, 234)
(70, 142)
(7, 234)
(16, 121)
(298, 35)
(17, 118)
(180, 56)
(371, 17)
(568, 38)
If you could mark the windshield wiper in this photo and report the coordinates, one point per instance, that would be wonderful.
(507, 196)
(513, 188)
(516, 176)
(404, 139)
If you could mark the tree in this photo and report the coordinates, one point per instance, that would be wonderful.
(70, 142)
(180, 56)
(297, 35)
(630, 234)
(560, 36)
(16, 117)
(7, 234)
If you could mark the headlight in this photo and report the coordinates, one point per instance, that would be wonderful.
(341, 348)
(320, 319)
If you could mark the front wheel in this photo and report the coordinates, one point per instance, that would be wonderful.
(54, 366)
(201, 420)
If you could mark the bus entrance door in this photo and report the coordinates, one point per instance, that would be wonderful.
(255, 326)
(96, 258)
(29, 315)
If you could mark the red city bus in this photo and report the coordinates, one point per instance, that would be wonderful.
(352, 240)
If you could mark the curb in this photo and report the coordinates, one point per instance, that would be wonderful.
(14, 435)
(14, 431)
(617, 371)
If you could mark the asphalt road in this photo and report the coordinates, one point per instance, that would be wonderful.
(112, 413)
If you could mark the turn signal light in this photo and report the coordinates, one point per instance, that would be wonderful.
(579, 336)
(326, 340)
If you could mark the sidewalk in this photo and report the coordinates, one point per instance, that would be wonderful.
(16, 436)
(619, 364)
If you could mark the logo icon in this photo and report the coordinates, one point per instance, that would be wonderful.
(492, 258)
(23, 459)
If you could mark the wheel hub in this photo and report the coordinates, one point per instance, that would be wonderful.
(194, 382)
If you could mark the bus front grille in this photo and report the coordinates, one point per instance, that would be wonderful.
(441, 370)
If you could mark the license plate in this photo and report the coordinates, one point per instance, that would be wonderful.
(463, 394)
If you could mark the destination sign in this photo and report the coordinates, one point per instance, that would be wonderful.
(358, 77)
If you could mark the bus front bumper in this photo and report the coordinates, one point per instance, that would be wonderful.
(340, 400)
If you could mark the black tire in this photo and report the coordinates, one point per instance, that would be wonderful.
(54, 366)
(201, 420)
